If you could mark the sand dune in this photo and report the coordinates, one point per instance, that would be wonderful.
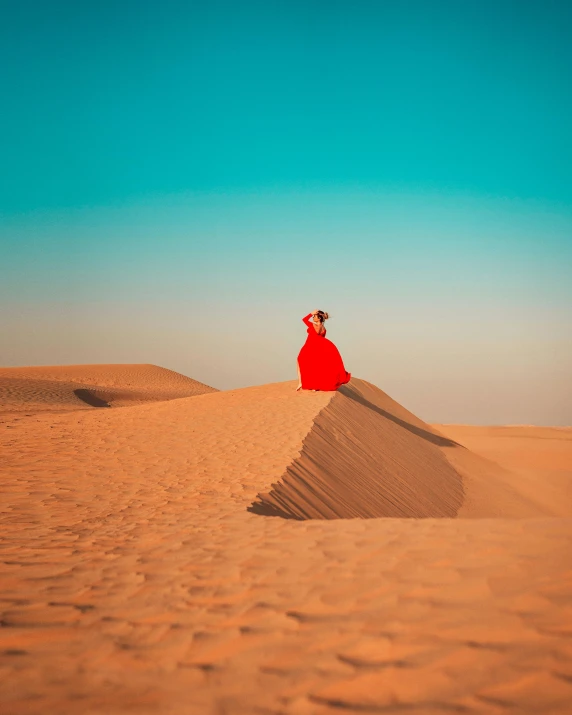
(140, 573)
(77, 387)
(366, 456)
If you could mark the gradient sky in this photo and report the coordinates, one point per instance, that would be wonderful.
(181, 182)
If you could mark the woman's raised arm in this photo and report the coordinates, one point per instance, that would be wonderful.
(307, 320)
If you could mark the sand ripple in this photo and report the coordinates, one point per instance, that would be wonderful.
(135, 578)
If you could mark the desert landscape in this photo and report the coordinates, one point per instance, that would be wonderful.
(171, 548)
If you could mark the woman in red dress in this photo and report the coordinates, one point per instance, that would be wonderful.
(320, 365)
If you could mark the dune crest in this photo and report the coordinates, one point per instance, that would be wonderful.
(367, 456)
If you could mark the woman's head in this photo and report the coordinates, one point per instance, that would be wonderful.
(320, 316)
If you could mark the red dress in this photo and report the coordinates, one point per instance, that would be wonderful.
(321, 365)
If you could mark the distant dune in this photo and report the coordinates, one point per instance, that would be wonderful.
(203, 552)
(76, 387)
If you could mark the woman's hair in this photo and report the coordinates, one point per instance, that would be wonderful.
(322, 316)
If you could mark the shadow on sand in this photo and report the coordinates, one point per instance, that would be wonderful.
(89, 398)
(419, 431)
(263, 509)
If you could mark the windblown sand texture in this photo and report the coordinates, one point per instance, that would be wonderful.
(201, 553)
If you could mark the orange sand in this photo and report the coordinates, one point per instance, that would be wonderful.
(142, 572)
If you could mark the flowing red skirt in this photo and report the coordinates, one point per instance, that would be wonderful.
(321, 365)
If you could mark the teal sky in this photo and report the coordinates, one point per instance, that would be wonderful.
(182, 181)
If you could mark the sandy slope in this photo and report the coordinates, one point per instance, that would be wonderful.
(139, 573)
(537, 460)
(367, 456)
(76, 387)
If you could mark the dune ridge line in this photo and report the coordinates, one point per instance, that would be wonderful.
(366, 456)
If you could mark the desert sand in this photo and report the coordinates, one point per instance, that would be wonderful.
(170, 548)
